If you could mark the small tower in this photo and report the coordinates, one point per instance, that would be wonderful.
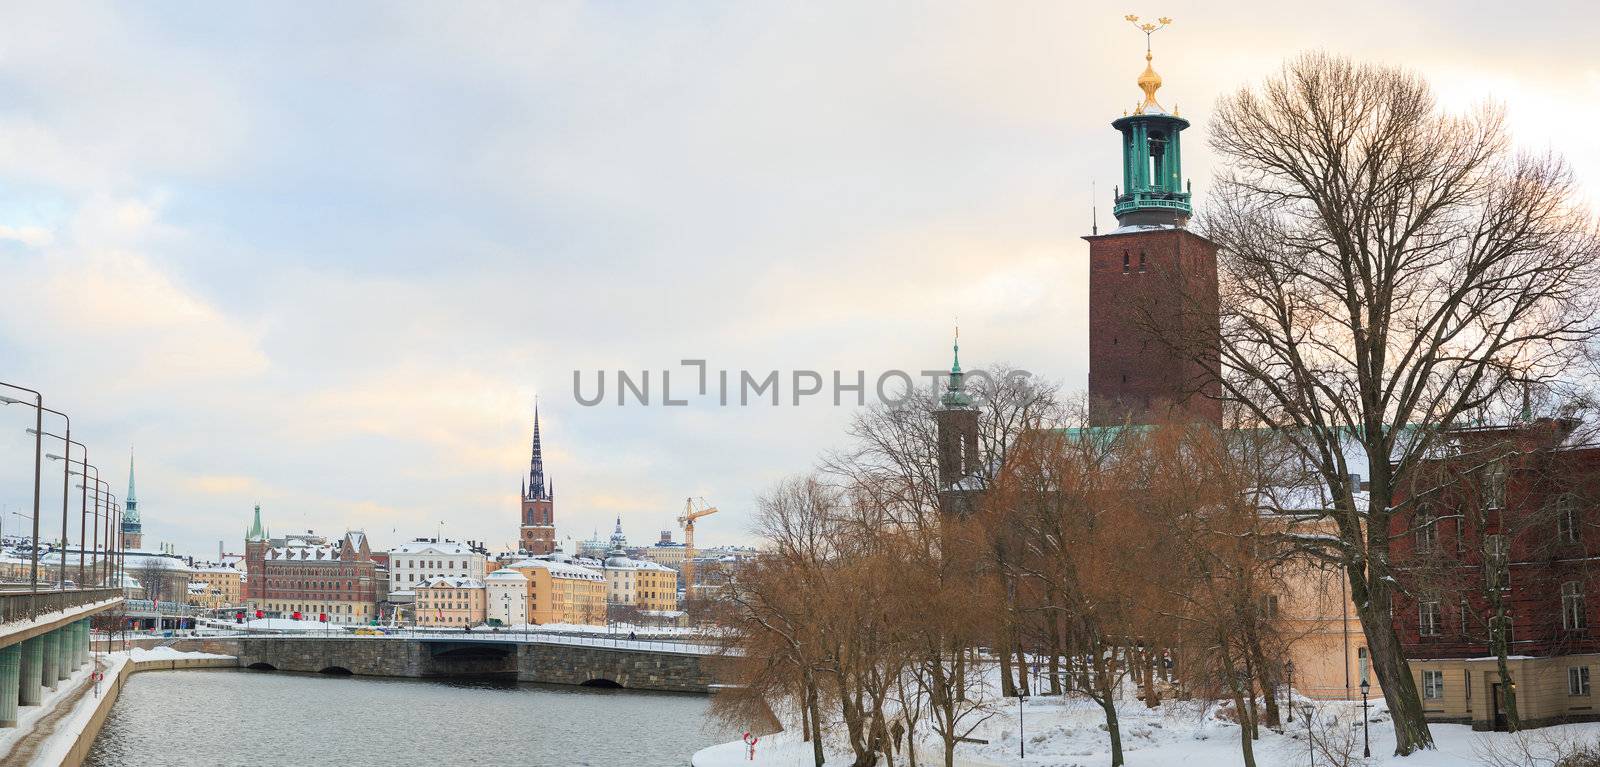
(255, 559)
(956, 421)
(132, 529)
(1153, 321)
(538, 531)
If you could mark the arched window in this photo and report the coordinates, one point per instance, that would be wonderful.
(1572, 613)
(1124, 262)
(1141, 260)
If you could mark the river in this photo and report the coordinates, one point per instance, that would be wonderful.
(249, 718)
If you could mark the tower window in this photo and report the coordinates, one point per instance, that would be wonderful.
(1124, 377)
(1124, 262)
(1141, 260)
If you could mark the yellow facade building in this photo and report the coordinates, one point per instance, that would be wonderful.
(450, 601)
(641, 584)
(560, 592)
(218, 586)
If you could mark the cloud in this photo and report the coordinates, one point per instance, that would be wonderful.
(326, 262)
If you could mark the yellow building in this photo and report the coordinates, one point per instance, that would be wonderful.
(641, 584)
(1326, 643)
(450, 601)
(559, 592)
(219, 586)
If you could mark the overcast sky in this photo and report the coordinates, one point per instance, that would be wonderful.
(324, 259)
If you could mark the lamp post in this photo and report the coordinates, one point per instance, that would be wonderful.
(1288, 698)
(1366, 743)
(1022, 737)
(83, 500)
(1311, 740)
(66, 468)
(38, 451)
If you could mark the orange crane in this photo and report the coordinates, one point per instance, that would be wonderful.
(690, 514)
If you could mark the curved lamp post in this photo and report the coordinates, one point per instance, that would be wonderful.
(38, 451)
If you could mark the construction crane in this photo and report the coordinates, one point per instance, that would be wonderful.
(690, 514)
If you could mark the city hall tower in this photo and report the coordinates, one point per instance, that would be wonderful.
(1152, 283)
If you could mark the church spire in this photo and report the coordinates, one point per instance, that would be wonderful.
(955, 395)
(536, 484)
(255, 533)
(131, 502)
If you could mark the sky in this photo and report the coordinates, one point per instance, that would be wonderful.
(324, 257)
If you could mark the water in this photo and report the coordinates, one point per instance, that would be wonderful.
(248, 718)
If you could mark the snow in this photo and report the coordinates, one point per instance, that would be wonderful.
(1070, 732)
(168, 653)
(65, 732)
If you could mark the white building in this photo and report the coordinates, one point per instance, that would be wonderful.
(507, 597)
(426, 558)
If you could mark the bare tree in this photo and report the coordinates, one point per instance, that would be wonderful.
(1386, 269)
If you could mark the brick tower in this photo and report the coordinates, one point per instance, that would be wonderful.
(1152, 283)
(538, 529)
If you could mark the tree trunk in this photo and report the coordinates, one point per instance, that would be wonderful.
(1008, 686)
(816, 722)
(1394, 674)
(1112, 728)
(1264, 673)
(1246, 744)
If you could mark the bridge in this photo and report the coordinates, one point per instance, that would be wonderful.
(634, 665)
(44, 639)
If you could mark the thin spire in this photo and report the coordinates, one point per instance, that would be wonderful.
(536, 484)
(1094, 209)
(130, 504)
(955, 395)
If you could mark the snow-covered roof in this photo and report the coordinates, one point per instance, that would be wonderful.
(506, 574)
(429, 547)
(561, 569)
(450, 582)
(139, 559)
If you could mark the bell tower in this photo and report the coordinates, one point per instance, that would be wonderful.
(1152, 283)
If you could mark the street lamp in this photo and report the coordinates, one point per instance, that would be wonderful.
(1288, 703)
(66, 479)
(1311, 740)
(1366, 743)
(1022, 737)
(38, 450)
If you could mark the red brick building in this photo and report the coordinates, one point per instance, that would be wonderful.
(310, 575)
(1496, 543)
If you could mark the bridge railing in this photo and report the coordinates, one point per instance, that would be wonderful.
(27, 605)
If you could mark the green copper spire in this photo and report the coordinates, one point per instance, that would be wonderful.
(130, 506)
(955, 395)
(255, 533)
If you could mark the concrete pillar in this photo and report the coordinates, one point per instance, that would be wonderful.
(51, 659)
(10, 673)
(29, 692)
(68, 652)
(83, 641)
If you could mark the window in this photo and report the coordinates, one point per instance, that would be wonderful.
(1269, 606)
(1124, 262)
(1566, 519)
(1432, 685)
(1572, 612)
(1578, 681)
(1466, 617)
(1365, 664)
(1428, 618)
(1141, 260)
(1494, 486)
(1427, 532)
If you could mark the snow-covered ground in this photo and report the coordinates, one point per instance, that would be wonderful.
(1056, 732)
(168, 653)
